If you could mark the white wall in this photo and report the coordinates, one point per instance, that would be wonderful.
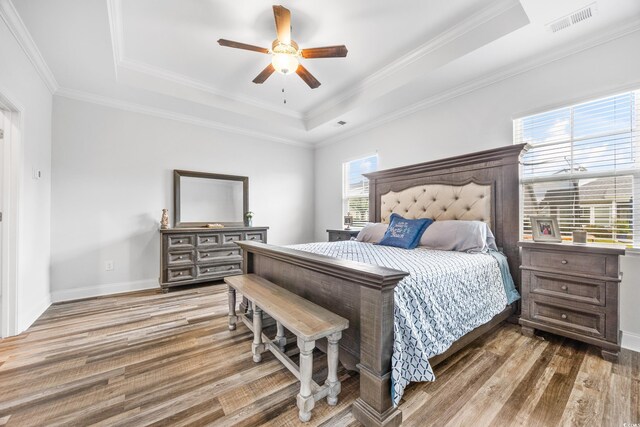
(482, 120)
(21, 84)
(113, 175)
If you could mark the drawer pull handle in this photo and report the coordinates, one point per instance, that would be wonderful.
(180, 274)
(206, 270)
(564, 287)
(564, 261)
(180, 257)
(205, 255)
(564, 316)
(205, 240)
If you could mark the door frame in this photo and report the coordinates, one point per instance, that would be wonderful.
(13, 115)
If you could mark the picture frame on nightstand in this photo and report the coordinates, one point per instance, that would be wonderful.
(545, 229)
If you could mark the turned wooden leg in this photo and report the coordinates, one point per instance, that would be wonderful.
(527, 331)
(232, 308)
(305, 398)
(257, 347)
(332, 364)
(281, 340)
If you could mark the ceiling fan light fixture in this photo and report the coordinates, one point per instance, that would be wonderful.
(285, 63)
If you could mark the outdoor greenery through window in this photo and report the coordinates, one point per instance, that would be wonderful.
(355, 192)
(584, 169)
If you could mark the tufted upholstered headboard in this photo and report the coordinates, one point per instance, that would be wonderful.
(481, 186)
(469, 201)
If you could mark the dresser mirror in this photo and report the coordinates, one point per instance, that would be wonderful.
(209, 198)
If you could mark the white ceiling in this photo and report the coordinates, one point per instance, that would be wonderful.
(162, 55)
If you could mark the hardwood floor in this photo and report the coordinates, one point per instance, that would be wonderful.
(169, 359)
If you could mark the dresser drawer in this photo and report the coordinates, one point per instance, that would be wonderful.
(209, 239)
(255, 236)
(205, 271)
(219, 255)
(177, 274)
(586, 291)
(177, 257)
(583, 263)
(583, 321)
(181, 241)
(231, 237)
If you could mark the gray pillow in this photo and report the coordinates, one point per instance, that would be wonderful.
(461, 236)
(372, 232)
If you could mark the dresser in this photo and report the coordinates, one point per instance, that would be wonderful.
(340, 234)
(200, 255)
(572, 290)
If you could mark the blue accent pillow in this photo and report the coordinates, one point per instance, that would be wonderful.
(404, 233)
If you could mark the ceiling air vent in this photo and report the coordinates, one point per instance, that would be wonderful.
(342, 123)
(567, 21)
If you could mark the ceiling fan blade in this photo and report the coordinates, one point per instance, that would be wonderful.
(307, 77)
(325, 52)
(238, 45)
(264, 74)
(283, 23)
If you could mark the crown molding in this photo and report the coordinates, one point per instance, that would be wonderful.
(122, 61)
(10, 16)
(483, 16)
(183, 80)
(170, 115)
(488, 80)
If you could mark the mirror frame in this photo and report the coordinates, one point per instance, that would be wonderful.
(177, 174)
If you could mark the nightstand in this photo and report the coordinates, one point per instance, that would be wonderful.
(337, 235)
(572, 290)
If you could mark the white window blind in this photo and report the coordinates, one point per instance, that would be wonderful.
(584, 168)
(355, 193)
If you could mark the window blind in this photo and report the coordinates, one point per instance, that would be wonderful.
(583, 168)
(355, 192)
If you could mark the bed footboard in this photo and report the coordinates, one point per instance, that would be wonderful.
(363, 294)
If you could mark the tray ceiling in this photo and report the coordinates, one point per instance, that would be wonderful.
(162, 54)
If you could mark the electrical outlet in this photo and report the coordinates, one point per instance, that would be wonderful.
(108, 265)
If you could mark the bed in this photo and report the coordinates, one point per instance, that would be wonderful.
(479, 186)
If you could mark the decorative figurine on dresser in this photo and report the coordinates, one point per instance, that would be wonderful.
(572, 290)
(209, 218)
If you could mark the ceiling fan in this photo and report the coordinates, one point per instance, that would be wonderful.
(285, 52)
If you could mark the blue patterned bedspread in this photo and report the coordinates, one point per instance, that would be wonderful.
(446, 295)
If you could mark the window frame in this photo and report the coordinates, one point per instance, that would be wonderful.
(346, 197)
(632, 171)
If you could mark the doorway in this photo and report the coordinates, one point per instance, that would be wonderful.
(10, 134)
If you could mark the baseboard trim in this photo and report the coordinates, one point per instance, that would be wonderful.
(25, 322)
(631, 341)
(104, 289)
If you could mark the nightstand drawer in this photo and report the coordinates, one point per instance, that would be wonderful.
(565, 262)
(567, 287)
(583, 321)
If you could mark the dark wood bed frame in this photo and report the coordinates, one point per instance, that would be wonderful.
(363, 293)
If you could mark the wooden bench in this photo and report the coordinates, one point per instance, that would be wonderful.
(306, 320)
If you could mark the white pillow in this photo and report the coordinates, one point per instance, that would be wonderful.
(461, 236)
(372, 232)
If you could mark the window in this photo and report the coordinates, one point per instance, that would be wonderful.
(584, 168)
(355, 188)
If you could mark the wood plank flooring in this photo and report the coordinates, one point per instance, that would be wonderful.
(168, 359)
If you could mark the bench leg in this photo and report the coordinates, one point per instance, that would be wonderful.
(232, 308)
(305, 399)
(281, 340)
(332, 364)
(257, 347)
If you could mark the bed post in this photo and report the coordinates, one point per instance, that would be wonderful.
(374, 406)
